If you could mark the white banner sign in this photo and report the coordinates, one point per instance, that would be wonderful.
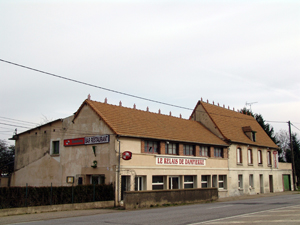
(96, 140)
(180, 161)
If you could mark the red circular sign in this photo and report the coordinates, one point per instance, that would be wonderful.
(126, 155)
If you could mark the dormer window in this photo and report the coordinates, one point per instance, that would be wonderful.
(251, 134)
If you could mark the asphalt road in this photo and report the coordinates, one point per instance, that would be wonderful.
(280, 209)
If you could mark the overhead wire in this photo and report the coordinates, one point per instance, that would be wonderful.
(118, 92)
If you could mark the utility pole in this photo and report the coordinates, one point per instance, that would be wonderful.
(293, 161)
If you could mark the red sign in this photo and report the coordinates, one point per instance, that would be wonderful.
(126, 155)
(76, 141)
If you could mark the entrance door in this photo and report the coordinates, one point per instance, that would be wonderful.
(261, 182)
(174, 183)
(125, 185)
(286, 182)
(271, 183)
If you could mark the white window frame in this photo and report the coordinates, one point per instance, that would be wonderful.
(158, 183)
(259, 157)
(222, 181)
(239, 156)
(203, 182)
(250, 157)
(269, 158)
(204, 151)
(139, 183)
(240, 181)
(188, 182)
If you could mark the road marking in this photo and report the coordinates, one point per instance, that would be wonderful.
(243, 215)
(257, 221)
(220, 206)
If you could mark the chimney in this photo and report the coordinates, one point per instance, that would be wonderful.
(223, 106)
(218, 104)
(207, 100)
(159, 111)
(105, 101)
(147, 109)
(89, 97)
(134, 106)
(213, 102)
(120, 103)
(180, 116)
(170, 113)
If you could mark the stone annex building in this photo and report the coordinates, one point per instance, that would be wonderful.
(216, 147)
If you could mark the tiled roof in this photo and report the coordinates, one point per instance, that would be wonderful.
(137, 123)
(231, 125)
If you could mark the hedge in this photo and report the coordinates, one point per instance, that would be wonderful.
(12, 197)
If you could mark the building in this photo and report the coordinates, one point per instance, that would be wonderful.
(253, 165)
(164, 152)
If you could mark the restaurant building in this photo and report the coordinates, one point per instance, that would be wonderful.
(142, 150)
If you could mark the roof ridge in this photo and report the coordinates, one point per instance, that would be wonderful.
(141, 110)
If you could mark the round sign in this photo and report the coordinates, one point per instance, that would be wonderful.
(126, 155)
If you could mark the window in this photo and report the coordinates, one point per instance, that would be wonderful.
(239, 156)
(251, 182)
(151, 147)
(174, 182)
(250, 158)
(139, 183)
(55, 147)
(222, 181)
(171, 149)
(204, 181)
(97, 179)
(259, 157)
(188, 150)
(254, 136)
(240, 181)
(157, 182)
(204, 151)
(188, 181)
(214, 181)
(218, 152)
(269, 158)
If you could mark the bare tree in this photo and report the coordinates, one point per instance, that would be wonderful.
(283, 139)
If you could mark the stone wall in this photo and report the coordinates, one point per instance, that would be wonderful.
(145, 199)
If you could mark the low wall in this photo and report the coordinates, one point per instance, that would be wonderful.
(145, 199)
(53, 208)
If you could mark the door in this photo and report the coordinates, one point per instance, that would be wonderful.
(261, 183)
(125, 185)
(173, 182)
(271, 183)
(286, 182)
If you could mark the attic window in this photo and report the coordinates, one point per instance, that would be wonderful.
(251, 134)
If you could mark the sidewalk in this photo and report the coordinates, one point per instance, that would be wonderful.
(87, 212)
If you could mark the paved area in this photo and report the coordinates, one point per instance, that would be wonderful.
(77, 213)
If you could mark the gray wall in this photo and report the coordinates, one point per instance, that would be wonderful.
(143, 199)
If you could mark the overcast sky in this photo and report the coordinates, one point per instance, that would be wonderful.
(229, 52)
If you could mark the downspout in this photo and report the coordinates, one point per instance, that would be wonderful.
(118, 174)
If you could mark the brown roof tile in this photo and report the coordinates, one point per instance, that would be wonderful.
(231, 124)
(137, 123)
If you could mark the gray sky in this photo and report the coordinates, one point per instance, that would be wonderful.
(229, 52)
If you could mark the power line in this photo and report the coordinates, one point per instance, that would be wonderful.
(295, 127)
(18, 120)
(15, 125)
(95, 86)
(118, 92)
(275, 121)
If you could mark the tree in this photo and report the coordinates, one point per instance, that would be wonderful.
(284, 143)
(296, 149)
(7, 157)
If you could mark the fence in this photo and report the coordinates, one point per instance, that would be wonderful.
(11, 197)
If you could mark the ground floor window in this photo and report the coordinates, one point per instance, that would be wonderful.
(157, 182)
(222, 181)
(205, 179)
(97, 179)
(251, 181)
(240, 181)
(174, 182)
(188, 181)
(139, 183)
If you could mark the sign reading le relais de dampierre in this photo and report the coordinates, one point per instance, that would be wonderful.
(87, 140)
(180, 161)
